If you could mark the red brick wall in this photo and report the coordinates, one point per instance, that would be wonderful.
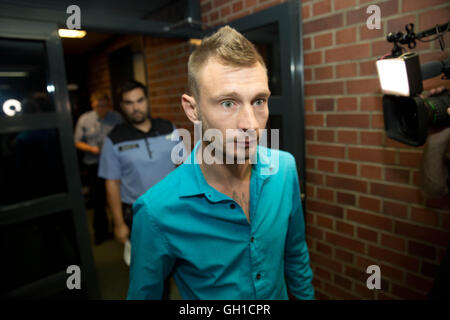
(167, 78)
(216, 12)
(364, 206)
(98, 73)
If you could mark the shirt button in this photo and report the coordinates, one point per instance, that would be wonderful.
(232, 206)
(252, 239)
(258, 276)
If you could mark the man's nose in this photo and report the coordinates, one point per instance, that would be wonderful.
(247, 119)
(134, 106)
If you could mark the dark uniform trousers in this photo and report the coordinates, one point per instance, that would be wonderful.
(98, 198)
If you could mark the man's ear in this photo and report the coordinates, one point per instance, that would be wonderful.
(190, 108)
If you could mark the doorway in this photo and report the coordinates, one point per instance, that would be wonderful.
(56, 215)
(42, 222)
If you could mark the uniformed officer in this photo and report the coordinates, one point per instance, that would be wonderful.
(135, 155)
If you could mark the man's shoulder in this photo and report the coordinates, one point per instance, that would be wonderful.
(276, 158)
(86, 116)
(122, 132)
(287, 158)
(162, 126)
(114, 116)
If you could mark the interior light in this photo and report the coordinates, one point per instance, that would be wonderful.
(13, 74)
(195, 42)
(11, 107)
(400, 76)
(71, 33)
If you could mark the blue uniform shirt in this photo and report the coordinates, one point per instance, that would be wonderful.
(184, 225)
(138, 159)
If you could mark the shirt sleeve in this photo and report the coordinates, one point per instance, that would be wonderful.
(297, 268)
(109, 164)
(151, 260)
(79, 134)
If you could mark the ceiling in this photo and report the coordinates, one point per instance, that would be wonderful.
(129, 16)
(91, 41)
(136, 9)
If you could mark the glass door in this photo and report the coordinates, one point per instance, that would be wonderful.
(43, 225)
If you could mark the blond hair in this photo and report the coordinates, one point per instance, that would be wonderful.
(228, 46)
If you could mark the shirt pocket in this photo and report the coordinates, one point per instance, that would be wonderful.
(131, 155)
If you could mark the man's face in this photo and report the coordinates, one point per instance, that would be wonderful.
(234, 98)
(101, 107)
(134, 104)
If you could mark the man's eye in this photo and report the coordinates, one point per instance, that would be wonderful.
(227, 104)
(259, 102)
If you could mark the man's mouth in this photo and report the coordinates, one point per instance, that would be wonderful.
(246, 143)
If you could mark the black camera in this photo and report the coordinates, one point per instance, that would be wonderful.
(407, 119)
(407, 115)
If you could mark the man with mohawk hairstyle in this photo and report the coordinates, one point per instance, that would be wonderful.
(231, 228)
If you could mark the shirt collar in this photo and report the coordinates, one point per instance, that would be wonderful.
(154, 130)
(196, 184)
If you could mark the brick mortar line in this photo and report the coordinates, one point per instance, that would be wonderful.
(365, 41)
(352, 282)
(356, 237)
(381, 246)
(335, 297)
(390, 264)
(354, 207)
(339, 128)
(356, 61)
(361, 162)
(364, 179)
(339, 96)
(399, 268)
(368, 112)
(393, 218)
(345, 79)
(231, 16)
(229, 3)
(329, 188)
(378, 243)
(345, 264)
(397, 15)
(358, 145)
(342, 144)
(381, 232)
(364, 256)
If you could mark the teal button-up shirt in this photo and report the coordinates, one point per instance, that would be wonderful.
(185, 226)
